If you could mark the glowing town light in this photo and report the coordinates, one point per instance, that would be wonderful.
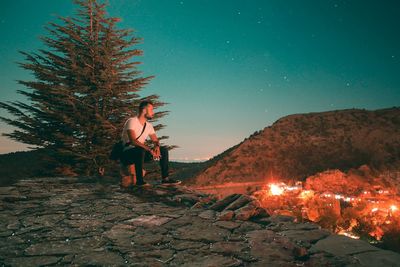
(276, 190)
(393, 208)
(374, 209)
(306, 194)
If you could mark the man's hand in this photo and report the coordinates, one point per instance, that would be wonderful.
(156, 152)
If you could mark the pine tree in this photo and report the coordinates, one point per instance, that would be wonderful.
(86, 85)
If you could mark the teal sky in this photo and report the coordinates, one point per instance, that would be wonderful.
(231, 67)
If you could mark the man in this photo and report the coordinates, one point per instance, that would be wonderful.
(134, 133)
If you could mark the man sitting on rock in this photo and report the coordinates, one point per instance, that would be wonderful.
(134, 134)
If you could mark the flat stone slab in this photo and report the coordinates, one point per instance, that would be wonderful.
(149, 220)
(378, 258)
(342, 245)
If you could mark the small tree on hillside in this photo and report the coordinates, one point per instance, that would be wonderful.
(85, 87)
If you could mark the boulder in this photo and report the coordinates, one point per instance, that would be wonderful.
(221, 204)
(226, 215)
(250, 210)
(239, 202)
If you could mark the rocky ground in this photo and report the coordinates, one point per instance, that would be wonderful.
(68, 221)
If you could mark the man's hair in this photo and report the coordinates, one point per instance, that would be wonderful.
(144, 104)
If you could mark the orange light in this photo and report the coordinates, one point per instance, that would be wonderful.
(275, 190)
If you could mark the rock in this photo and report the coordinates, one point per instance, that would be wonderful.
(228, 248)
(263, 221)
(103, 258)
(207, 214)
(378, 258)
(198, 205)
(326, 259)
(281, 218)
(213, 260)
(266, 248)
(148, 239)
(248, 211)
(189, 199)
(221, 204)
(120, 231)
(227, 224)
(306, 236)
(200, 231)
(183, 245)
(239, 202)
(65, 247)
(226, 215)
(32, 261)
(180, 222)
(300, 252)
(149, 221)
(248, 226)
(157, 257)
(342, 245)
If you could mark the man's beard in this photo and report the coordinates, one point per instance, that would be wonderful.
(148, 117)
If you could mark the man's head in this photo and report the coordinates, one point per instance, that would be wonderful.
(146, 108)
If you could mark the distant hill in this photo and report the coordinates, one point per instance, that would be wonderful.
(28, 164)
(300, 145)
(21, 165)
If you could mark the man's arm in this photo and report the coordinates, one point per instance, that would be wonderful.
(155, 140)
(132, 139)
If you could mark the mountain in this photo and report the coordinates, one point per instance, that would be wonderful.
(300, 145)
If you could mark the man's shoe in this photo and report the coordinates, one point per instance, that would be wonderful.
(142, 185)
(170, 181)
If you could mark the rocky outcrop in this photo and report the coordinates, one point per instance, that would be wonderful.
(63, 221)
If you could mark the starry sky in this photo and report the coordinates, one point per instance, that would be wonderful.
(228, 68)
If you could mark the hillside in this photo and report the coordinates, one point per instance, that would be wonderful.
(300, 145)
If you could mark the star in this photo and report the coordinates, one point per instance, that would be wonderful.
(228, 42)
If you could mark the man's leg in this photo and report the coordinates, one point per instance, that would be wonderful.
(139, 162)
(164, 162)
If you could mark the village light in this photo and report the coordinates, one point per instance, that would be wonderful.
(276, 190)
(280, 198)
